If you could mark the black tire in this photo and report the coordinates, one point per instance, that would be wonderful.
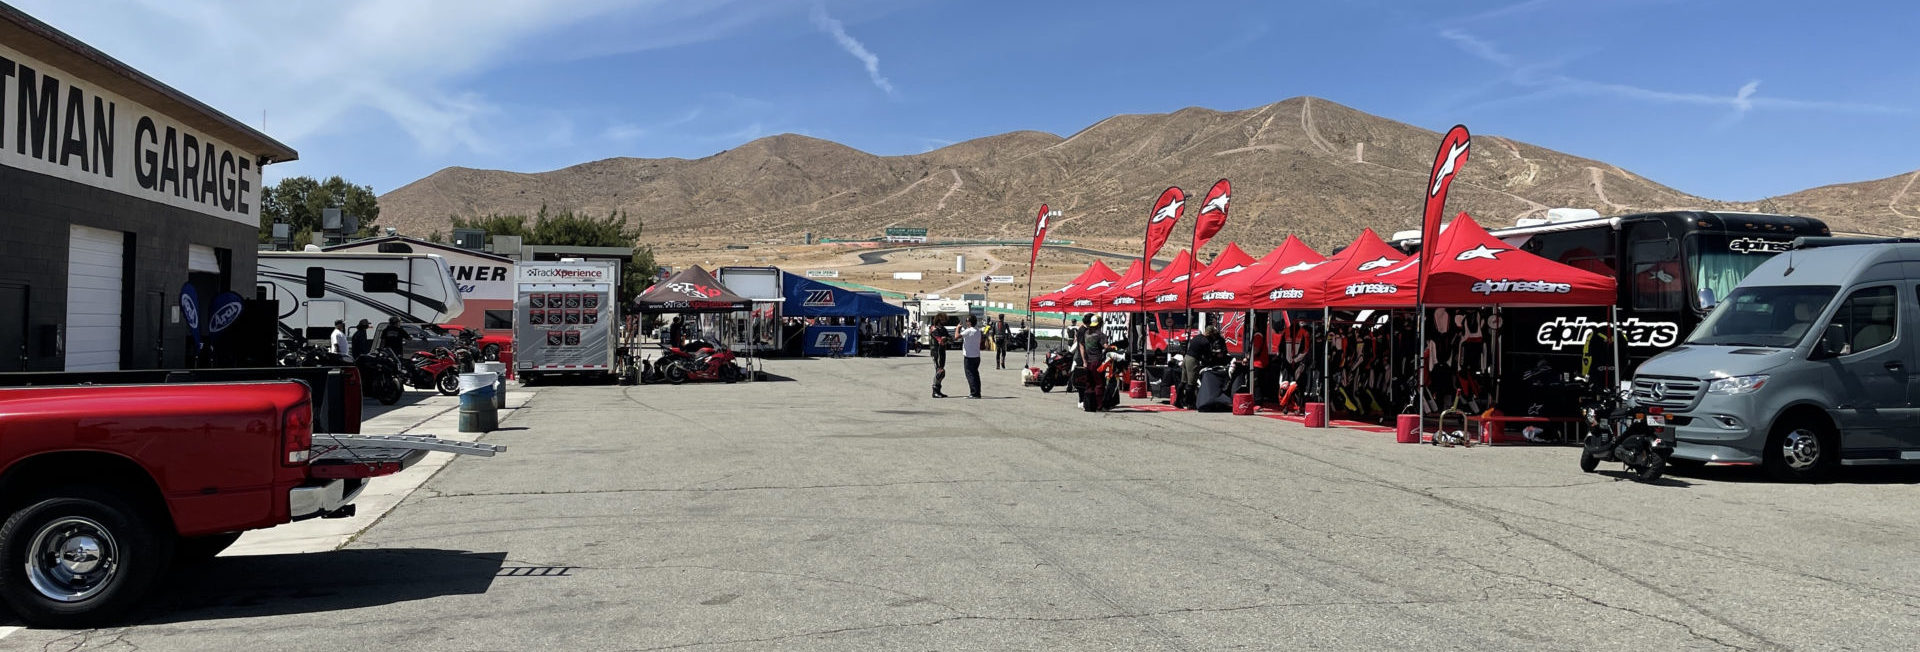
(730, 374)
(389, 392)
(448, 383)
(676, 374)
(132, 546)
(1046, 382)
(1651, 470)
(1817, 450)
(201, 549)
(490, 353)
(1588, 463)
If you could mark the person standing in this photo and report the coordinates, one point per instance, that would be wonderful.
(1000, 339)
(362, 340)
(676, 333)
(341, 348)
(970, 350)
(393, 338)
(938, 339)
(1199, 348)
(1090, 354)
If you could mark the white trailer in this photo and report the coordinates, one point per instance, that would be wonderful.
(565, 318)
(315, 288)
(764, 286)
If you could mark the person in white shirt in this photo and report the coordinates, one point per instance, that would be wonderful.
(341, 345)
(970, 349)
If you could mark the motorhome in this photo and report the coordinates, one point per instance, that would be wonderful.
(313, 289)
(1806, 365)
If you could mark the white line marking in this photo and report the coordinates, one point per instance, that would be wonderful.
(4, 631)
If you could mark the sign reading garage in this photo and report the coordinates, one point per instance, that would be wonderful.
(55, 124)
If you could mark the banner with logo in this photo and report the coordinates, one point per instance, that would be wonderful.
(1213, 214)
(226, 311)
(1039, 236)
(1166, 213)
(190, 311)
(1446, 164)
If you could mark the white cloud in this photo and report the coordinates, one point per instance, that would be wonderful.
(1542, 81)
(316, 68)
(833, 28)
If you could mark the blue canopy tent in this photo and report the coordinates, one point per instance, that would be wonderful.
(807, 298)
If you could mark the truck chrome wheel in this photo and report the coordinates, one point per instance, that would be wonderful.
(72, 559)
(1801, 449)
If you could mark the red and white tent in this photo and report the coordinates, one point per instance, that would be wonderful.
(1259, 286)
(1370, 277)
(1230, 266)
(1123, 295)
(1472, 268)
(1168, 290)
(1093, 276)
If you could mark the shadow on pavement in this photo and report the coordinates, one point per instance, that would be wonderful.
(272, 585)
(370, 408)
(1863, 475)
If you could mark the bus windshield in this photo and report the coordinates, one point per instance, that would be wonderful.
(1719, 262)
(1774, 316)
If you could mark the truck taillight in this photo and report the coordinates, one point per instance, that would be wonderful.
(296, 434)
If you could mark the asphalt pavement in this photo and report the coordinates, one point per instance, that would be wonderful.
(838, 507)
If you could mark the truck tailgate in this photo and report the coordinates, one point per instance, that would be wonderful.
(369, 456)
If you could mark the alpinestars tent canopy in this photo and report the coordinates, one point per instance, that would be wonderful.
(1167, 290)
(1230, 265)
(1367, 279)
(1093, 277)
(1259, 286)
(1472, 268)
(806, 297)
(1122, 296)
(691, 290)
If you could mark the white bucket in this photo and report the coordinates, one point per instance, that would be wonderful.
(477, 381)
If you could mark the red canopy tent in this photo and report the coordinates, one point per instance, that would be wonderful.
(1369, 278)
(1122, 296)
(1472, 268)
(1093, 276)
(1229, 265)
(1162, 292)
(1258, 287)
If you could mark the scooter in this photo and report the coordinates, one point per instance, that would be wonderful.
(1057, 369)
(438, 369)
(1619, 431)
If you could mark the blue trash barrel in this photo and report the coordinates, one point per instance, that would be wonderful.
(477, 412)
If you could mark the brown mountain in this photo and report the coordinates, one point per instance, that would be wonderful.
(1303, 165)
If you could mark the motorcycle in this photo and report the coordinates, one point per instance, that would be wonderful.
(1056, 370)
(437, 369)
(696, 361)
(380, 376)
(1619, 431)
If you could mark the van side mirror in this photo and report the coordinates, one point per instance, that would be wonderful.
(1833, 342)
(1707, 300)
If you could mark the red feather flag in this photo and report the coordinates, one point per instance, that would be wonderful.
(1166, 212)
(1039, 236)
(1447, 163)
(1213, 214)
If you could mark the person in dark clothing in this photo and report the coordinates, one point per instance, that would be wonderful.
(940, 338)
(676, 333)
(362, 340)
(393, 338)
(1092, 353)
(1198, 351)
(1000, 340)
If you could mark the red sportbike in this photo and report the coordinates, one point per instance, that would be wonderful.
(698, 361)
(437, 369)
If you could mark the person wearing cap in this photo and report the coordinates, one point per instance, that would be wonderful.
(362, 340)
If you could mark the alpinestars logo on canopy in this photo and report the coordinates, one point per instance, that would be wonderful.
(1286, 293)
(1217, 295)
(1358, 289)
(1490, 286)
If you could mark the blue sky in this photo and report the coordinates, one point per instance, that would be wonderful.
(1727, 99)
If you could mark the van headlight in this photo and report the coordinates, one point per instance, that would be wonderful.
(1737, 384)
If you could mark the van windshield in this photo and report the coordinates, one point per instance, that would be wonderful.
(1775, 316)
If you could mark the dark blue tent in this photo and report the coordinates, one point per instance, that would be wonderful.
(809, 298)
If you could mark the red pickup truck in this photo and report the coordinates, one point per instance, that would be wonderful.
(103, 487)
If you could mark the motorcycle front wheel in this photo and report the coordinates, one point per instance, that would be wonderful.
(389, 392)
(448, 383)
(1588, 463)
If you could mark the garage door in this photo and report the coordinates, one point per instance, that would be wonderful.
(94, 290)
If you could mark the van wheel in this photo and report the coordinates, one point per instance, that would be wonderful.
(80, 556)
(1801, 450)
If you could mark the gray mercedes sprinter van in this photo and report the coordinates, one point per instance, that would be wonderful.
(1808, 364)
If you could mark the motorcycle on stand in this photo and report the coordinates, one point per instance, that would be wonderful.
(381, 376)
(1056, 370)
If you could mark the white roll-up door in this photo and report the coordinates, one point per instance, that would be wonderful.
(94, 260)
(200, 258)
